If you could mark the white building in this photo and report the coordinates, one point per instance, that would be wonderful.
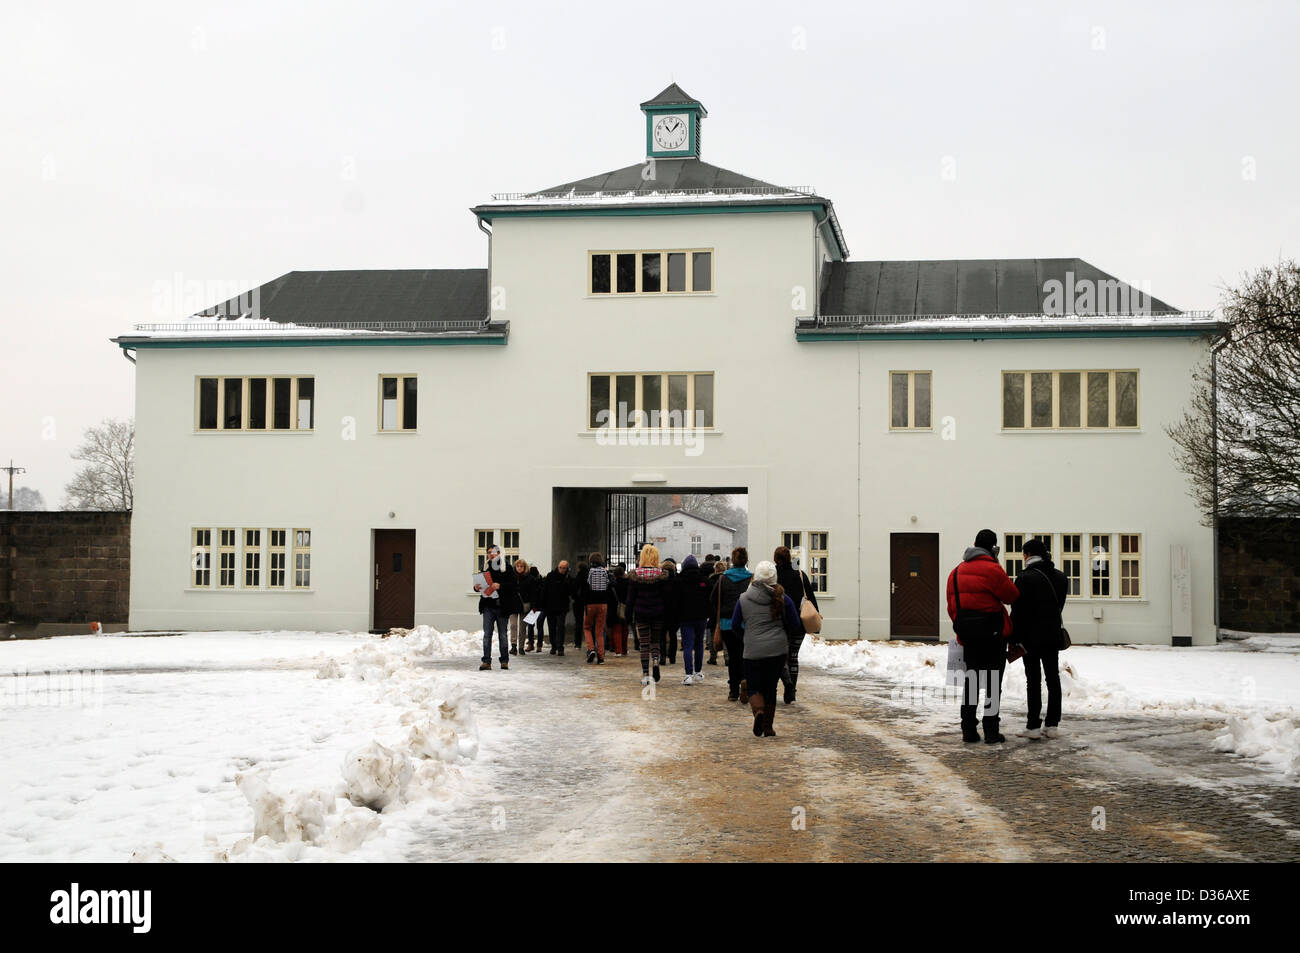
(678, 534)
(324, 461)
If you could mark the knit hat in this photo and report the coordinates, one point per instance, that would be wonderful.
(765, 573)
(690, 562)
(986, 539)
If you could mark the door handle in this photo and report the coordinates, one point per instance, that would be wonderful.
(893, 587)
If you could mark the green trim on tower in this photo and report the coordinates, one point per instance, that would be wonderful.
(816, 208)
(692, 149)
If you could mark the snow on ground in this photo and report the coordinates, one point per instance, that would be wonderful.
(1251, 682)
(229, 746)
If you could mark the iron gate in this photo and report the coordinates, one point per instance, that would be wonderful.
(624, 527)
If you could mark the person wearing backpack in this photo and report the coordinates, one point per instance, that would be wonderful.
(596, 588)
(978, 588)
(692, 613)
(1036, 621)
(797, 586)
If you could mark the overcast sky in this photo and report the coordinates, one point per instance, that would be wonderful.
(152, 143)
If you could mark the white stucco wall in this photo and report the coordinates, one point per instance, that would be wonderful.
(787, 419)
(675, 541)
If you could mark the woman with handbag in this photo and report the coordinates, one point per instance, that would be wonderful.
(765, 620)
(1036, 622)
(799, 588)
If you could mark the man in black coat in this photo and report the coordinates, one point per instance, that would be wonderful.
(555, 603)
(1036, 625)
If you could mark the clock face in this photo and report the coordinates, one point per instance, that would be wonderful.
(672, 131)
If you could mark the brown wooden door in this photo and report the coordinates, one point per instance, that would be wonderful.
(914, 585)
(394, 580)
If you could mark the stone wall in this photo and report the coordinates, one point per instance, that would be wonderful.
(1259, 575)
(64, 566)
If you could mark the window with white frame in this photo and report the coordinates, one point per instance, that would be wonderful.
(226, 574)
(485, 539)
(658, 401)
(1013, 556)
(252, 559)
(675, 271)
(697, 545)
(909, 400)
(1099, 544)
(302, 559)
(819, 559)
(201, 558)
(277, 558)
(1088, 562)
(1070, 400)
(254, 404)
(397, 402)
(1072, 562)
(1130, 566)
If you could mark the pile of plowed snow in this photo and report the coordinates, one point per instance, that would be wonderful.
(416, 762)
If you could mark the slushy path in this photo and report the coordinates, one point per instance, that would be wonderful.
(580, 767)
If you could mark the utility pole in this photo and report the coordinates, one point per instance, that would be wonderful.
(12, 470)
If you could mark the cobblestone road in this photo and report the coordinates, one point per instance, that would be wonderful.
(576, 765)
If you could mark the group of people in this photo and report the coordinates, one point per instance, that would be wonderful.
(753, 618)
(979, 591)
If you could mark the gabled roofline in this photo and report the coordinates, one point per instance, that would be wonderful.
(694, 516)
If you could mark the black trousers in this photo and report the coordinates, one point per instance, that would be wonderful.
(986, 662)
(578, 613)
(1046, 661)
(735, 659)
(668, 641)
(555, 622)
(762, 675)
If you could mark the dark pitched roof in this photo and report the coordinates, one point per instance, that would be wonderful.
(670, 174)
(324, 297)
(674, 95)
(964, 286)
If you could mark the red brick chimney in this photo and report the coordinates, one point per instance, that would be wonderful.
(677, 501)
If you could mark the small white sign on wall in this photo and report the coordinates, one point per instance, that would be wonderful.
(1180, 591)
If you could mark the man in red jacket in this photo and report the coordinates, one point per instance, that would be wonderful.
(978, 593)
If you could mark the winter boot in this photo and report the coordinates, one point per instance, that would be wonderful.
(969, 724)
(505, 664)
(485, 667)
(991, 734)
(769, 713)
(789, 692)
(655, 672)
(514, 650)
(756, 706)
(744, 691)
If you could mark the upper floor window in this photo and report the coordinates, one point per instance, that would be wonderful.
(1069, 400)
(683, 271)
(909, 400)
(656, 401)
(397, 402)
(256, 403)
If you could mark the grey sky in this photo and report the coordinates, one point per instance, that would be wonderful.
(150, 140)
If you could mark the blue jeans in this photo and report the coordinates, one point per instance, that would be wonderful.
(693, 645)
(493, 617)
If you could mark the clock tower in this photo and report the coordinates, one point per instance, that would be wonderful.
(672, 124)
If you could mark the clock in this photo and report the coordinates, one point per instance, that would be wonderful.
(671, 131)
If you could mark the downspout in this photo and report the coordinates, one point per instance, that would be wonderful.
(488, 232)
(127, 354)
(1214, 489)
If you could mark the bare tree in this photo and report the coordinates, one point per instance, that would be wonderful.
(106, 480)
(1242, 451)
(25, 498)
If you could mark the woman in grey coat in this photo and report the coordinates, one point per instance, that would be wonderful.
(766, 619)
